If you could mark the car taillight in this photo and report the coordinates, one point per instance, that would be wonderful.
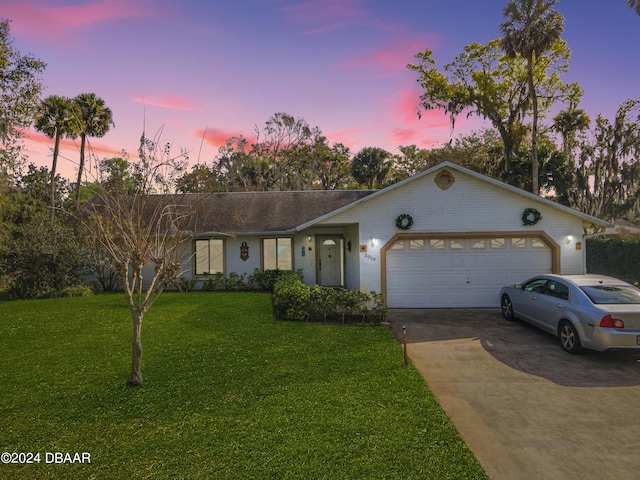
(609, 322)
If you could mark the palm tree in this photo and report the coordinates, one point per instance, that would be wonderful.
(370, 166)
(635, 5)
(531, 28)
(57, 117)
(96, 120)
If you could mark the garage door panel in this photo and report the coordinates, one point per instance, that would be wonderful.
(396, 262)
(441, 273)
(480, 260)
(457, 261)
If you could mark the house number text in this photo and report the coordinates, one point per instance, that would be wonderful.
(369, 257)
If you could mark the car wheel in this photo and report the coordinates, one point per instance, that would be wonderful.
(569, 338)
(507, 308)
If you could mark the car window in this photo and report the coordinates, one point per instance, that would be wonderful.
(557, 289)
(536, 285)
(610, 294)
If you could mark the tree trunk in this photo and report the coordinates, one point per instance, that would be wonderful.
(80, 169)
(136, 353)
(54, 164)
(534, 132)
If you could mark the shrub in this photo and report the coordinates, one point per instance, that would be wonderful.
(219, 282)
(214, 283)
(291, 297)
(295, 300)
(78, 291)
(266, 280)
(235, 281)
(43, 256)
(183, 284)
(615, 256)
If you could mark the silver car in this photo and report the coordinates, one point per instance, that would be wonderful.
(583, 311)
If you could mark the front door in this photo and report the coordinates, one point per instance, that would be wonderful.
(330, 262)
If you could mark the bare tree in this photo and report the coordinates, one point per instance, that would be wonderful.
(144, 234)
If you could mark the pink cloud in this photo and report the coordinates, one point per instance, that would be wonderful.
(217, 137)
(352, 138)
(174, 102)
(394, 57)
(407, 105)
(324, 15)
(59, 22)
(422, 137)
(95, 146)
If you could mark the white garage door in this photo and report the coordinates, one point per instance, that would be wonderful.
(460, 272)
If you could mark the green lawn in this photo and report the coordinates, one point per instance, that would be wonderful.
(229, 393)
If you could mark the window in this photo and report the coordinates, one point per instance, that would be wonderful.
(277, 254)
(518, 243)
(416, 244)
(209, 256)
(498, 243)
(399, 245)
(536, 285)
(612, 294)
(557, 289)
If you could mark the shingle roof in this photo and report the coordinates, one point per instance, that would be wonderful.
(264, 212)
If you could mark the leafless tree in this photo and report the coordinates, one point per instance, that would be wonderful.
(145, 235)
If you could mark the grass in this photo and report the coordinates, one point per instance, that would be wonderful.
(229, 393)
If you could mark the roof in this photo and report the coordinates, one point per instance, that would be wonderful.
(622, 227)
(268, 212)
(587, 220)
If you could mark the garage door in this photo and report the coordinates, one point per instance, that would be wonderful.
(460, 272)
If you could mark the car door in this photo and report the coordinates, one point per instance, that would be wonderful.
(527, 305)
(550, 304)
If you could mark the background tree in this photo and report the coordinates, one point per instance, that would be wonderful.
(39, 254)
(330, 164)
(485, 81)
(241, 168)
(201, 179)
(635, 5)
(96, 119)
(277, 146)
(57, 117)
(410, 161)
(608, 173)
(531, 29)
(370, 166)
(20, 89)
(143, 234)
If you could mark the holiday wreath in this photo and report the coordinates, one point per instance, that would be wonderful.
(530, 216)
(404, 221)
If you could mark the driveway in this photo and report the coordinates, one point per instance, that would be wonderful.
(527, 409)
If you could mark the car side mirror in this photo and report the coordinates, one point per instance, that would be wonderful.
(519, 286)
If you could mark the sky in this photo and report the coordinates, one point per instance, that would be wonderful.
(193, 73)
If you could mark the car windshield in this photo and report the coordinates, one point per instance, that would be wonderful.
(604, 294)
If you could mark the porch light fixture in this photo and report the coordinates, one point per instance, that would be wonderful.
(569, 239)
(309, 238)
(373, 244)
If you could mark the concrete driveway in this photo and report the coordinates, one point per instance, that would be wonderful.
(527, 409)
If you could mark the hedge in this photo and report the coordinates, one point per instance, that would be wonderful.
(614, 256)
(295, 300)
